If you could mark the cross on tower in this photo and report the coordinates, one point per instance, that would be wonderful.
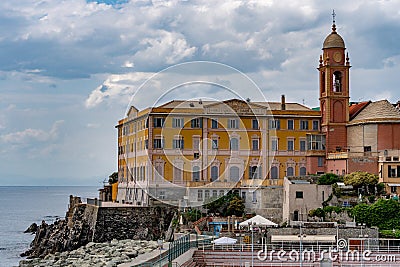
(333, 16)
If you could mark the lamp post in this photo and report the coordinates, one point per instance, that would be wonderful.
(251, 225)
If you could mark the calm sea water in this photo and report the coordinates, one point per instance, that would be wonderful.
(20, 206)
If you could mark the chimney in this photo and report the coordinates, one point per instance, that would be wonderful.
(283, 102)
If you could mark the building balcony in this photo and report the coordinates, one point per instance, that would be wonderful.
(315, 153)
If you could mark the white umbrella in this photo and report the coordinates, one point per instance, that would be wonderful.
(258, 220)
(225, 241)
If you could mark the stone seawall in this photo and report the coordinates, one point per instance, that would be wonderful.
(86, 223)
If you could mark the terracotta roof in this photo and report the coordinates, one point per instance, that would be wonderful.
(379, 111)
(356, 108)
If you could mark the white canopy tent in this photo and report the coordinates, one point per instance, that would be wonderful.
(225, 241)
(258, 221)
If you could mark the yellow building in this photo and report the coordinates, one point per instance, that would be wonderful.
(187, 152)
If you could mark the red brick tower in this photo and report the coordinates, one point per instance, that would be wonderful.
(334, 91)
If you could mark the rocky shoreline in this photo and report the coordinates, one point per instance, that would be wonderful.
(106, 254)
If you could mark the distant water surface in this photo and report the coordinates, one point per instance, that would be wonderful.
(20, 206)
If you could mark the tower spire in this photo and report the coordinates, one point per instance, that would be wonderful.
(333, 21)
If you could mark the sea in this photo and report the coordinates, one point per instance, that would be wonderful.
(20, 206)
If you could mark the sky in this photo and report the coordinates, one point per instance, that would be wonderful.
(69, 69)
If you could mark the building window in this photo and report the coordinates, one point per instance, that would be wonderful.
(158, 122)
(316, 142)
(196, 173)
(290, 124)
(234, 174)
(254, 144)
(146, 144)
(206, 194)
(196, 123)
(302, 145)
(393, 189)
(234, 144)
(274, 124)
(320, 161)
(289, 172)
(233, 123)
(367, 149)
(214, 193)
(177, 144)
(254, 198)
(196, 155)
(303, 125)
(255, 172)
(177, 122)
(274, 172)
(274, 144)
(196, 143)
(177, 174)
(337, 81)
(221, 193)
(303, 171)
(290, 144)
(214, 123)
(199, 195)
(315, 125)
(161, 194)
(393, 171)
(158, 143)
(214, 173)
(214, 144)
(299, 194)
(254, 124)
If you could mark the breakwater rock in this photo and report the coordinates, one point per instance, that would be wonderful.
(86, 223)
(95, 254)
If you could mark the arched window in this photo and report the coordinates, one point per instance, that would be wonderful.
(303, 171)
(289, 171)
(337, 81)
(196, 173)
(234, 174)
(234, 144)
(274, 172)
(214, 173)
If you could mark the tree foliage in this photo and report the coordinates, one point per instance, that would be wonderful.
(383, 213)
(328, 179)
(229, 204)
(113, 178)
(365, 180)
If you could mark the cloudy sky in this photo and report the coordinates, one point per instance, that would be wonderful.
(68, 69)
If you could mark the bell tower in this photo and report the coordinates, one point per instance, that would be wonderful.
(334, 97)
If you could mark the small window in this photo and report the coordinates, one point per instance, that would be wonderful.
(214, 123)
(303, 125)
(320, 162)
(214, 173)
(290, 124)
(158, 143)
(177, 144)
(274, 172)
(290, 145)
(254, 198)
(199, 195)
(303, 171)
(196, 173)
(221, 193)
(299, 194)
(196, 123)
(367, 149)
(289, 172)
(196, 144)
(274, 144)
(196, 155)
(234, 144)
(254, 144)
(206, 194)
(214, 193)
(395, 158)
(161, 194)
(158, 122)
(244, 196)
(315, 125)
(214, 143)
(254, 124)
(274, 124)
(177, 122)
(302, 145)
(233, 123)
(393, 189)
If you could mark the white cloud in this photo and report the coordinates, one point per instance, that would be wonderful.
(32, 135)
